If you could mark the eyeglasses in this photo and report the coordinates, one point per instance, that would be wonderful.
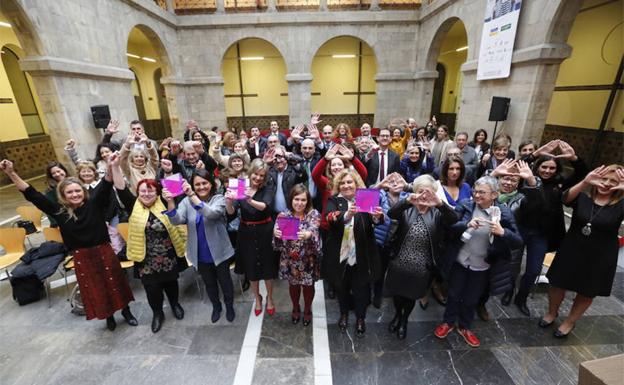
(277, 156)
(480, 192)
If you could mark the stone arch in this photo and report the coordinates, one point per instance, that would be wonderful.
(234, 40)
(314, 48)
(157, 44)
(436, 42)
(562, 20)
(24, 29)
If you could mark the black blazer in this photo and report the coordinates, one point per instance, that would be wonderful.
(251, 148)
(373, 166)
(368, 266)
(292, 176)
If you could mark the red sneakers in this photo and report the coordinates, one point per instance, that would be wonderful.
(470, 338)
(443, 330)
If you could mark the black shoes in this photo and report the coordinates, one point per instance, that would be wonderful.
(331, 293)
(394, 324)
(438, 295)
(377, 301)
(110, 323)
(307, 318)
(360, 328)
(130, 320)
(520, 302)
(157, 321)
(216, 313)
(506, 298)
(559, 334)
(483, 313)
(342, 323)
(177, 310)
(543, 324)
(402, 330)
(296, 316)
(245, 285)
(229, 313)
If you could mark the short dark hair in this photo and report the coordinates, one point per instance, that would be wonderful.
(385, 129)
(136, 121)
(296, 190)
(204, 174)
(526, 142)
(445, 167)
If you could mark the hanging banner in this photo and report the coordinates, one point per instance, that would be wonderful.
(497, 39)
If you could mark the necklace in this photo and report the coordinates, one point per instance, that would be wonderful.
(587, 230)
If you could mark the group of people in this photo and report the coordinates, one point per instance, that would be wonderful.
(454, 219)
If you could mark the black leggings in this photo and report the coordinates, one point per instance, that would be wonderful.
(155, 296)
(403, 306)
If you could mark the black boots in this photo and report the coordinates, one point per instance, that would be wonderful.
(130, 320)
(229, 312)
(506, 298)
(342, 323)
(157, 321)
(216, 313)
(360, 327)
(177, 311)
(394, 324)
(520, 302)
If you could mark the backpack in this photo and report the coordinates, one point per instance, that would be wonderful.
(75, 301)
(29, 226)
(26, 289)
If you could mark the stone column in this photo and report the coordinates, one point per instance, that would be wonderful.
(530, 87)
(220, 6)
(271, 6)
(299, 97)
(374, 6)
(323, 5)
(67, 89)
(423, 94)
(394, 95)
(170, 6)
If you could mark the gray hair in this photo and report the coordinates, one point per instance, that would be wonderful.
(188, 145)
(488, 181)
(424, 181)
(464, 133)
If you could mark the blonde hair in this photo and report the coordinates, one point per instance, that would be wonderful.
(60, 194)
(615, 196)
(359, 183)
(343, 126)
(84, 165)
(258, 165)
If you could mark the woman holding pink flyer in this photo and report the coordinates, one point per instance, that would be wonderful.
(296, 237)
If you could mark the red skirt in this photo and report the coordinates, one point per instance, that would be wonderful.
(103, 284)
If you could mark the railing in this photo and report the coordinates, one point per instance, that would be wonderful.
(182, 7)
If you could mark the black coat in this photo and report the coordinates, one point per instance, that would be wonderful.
(499, 251)
(437, 219)
(394, 165)
(368, 266)
(41, 261)
(292, 176)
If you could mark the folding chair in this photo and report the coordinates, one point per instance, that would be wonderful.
(30, 213)
(54, 234)
(12, 239)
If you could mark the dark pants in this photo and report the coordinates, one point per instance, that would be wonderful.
(155, 296)
(384, 256)
(403, 307)
(536, 247)
(465, 288)
(220, 274)
(361, 294)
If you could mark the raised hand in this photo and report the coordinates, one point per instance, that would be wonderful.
(113, 127)
(199, 148)
(200, 165)
(485, 158)
(315, 119)
(166, 194)
(269, 156)
(567, 152)
(187, 189)
(524, 171)
(547, 149)
(596, 177)
(428, 199)
(70, 144)
(191, 124)
(6, 166)
(505, 168)
(378, 212)
(620, 175)
(113, 159)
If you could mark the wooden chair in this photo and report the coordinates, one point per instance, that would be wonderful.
(30, 213)
(12, 239)
(54, 234)
(122, 228)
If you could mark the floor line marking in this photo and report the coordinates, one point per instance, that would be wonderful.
(320, 339)
(249, 350)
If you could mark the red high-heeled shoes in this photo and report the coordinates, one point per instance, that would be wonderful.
(256, 310)
(270, 311)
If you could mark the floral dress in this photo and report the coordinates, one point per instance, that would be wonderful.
(300, 259)
(160, 263)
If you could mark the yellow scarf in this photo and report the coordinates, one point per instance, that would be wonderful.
(136, 231)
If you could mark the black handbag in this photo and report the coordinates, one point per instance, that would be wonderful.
(29, 226)
(26, 289)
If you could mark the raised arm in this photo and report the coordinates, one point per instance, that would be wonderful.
(32, 195)
(70, 148)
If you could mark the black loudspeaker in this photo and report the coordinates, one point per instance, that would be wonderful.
(499, 109)
(101, 115)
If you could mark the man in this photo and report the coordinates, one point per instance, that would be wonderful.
(193, 158)
(256, 145)
(468, 154)
(136, 129)
(274, 130)
(328, 139)
(380, 161)
(272, 142)
(309, 161)
(284, 176)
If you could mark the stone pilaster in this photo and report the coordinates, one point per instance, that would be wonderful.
(394, 95)
(299, 97)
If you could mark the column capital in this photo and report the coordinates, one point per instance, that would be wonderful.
(46, 65)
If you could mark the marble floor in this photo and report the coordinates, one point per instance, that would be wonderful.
(41, 344)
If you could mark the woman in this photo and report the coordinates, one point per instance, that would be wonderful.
(101, 154)
(103, 284)
(198, 136)
(440, 144)
(452, 181)
(479, 143)
(255, 256)
(342, 133)
(208, 248)
(139, 160)
(55, 174)
(500, 152)
(299, 259)
(526, 150)
(351, 262)
(400, 137)
(239, 149)
(485, 234)
(543, 233)
(587, 259)
(422, 217)
(227, 144)
(415, 163)
(154, 244)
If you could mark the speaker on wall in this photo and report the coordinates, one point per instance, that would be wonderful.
(101, 115)
(499, 109)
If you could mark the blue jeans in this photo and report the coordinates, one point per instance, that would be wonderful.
(536, 247)
(465, 288)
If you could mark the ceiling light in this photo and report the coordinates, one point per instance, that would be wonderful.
(249, 58)
(149, 59)
(349, 56)
(4, 24)
(133, 55)
(461, 49)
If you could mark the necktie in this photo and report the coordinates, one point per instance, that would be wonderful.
(309, 175)
(382, 171)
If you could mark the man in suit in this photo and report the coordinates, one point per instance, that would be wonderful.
(310, 158)
(274, 130)
(284, 176)
(328, 139)
(256, 145)
(381, 161)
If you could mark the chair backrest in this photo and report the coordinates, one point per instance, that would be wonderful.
(12, 238)
(52, 234)
(30, 213)
(122, 228)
